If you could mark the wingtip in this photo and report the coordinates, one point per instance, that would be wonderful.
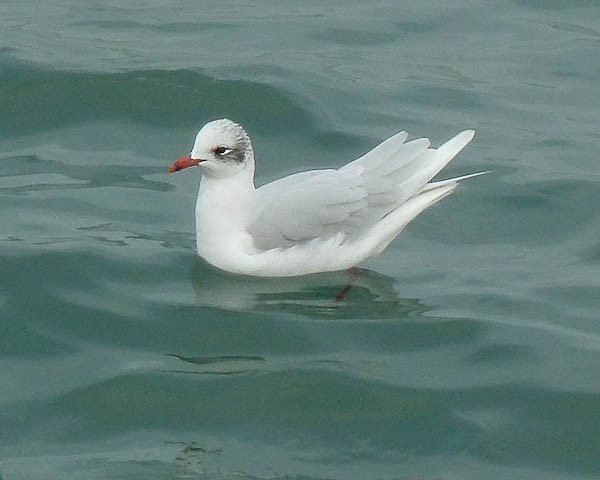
(472, 175)
(453, 146)
(453, 181)
(469, 133)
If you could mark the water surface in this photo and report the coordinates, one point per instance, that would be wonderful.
(469, 349)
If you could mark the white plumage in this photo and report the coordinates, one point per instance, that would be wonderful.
(314, 221)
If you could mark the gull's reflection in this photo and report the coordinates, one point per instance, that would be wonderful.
(357, 294)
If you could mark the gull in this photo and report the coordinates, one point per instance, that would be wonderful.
(314, 221)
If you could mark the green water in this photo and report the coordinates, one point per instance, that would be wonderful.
(469, 349)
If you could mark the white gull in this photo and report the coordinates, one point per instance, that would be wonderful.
(313, 221)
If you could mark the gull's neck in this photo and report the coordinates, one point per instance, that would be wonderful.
(228, 195)
(224, 210)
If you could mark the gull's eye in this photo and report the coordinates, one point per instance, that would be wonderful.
(220, 151)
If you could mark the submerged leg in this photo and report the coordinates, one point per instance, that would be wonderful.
(354, 273)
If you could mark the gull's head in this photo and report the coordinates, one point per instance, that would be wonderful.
(222, 148)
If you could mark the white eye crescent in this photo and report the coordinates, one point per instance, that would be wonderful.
(221, 151)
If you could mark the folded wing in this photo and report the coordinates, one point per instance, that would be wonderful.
(353, 198)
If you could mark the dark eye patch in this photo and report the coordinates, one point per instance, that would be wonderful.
(221, 151)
